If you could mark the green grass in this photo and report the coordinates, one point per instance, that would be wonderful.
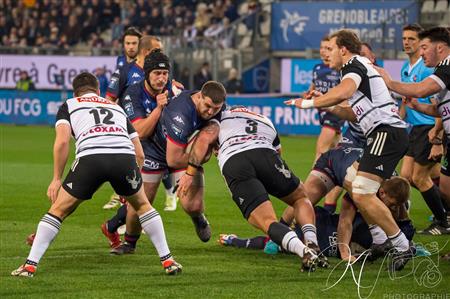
(78, 265)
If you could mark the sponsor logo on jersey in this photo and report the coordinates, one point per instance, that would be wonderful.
(176, 130)
(103, 129)
(178, 119)
(128, 106)
(93, 100)
(135, 75)
(69, 185)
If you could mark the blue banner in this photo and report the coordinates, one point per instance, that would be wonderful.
(257, 79)
(301, 25)
(40, 107)
(30, 108)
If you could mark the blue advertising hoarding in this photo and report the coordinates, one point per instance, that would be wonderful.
(301, 25)
(40, 107)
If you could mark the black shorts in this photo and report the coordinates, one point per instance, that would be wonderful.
(385, 147)
(253, 174)
(88, 173)
(445, 167)
(419, 144)
(328, 119)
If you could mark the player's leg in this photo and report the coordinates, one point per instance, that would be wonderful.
(250, 195)
(80, 184)
(171, 197)
(431, 194)
(47, 230)
(327, 139)
(152, 224)
(193, 204)
(132, 234)
(386, 147)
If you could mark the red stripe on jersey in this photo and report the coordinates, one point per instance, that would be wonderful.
(176, 142)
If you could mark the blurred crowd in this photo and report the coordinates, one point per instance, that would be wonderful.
(64, 23)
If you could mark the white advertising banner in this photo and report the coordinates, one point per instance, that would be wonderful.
(48, 72)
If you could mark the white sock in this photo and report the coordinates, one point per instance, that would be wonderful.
(293, 244)
(152, 224)
(400, 241)
(169, 192)
(46, 232)
(378, 235)
(310, 233)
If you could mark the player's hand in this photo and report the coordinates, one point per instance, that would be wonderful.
(436, 152)
(53, 189)
(300, 103)
(161, 99)
(384, 74)
(410, 102)
(348, 258)
(177, 84)
(184, 184)
(313, 93)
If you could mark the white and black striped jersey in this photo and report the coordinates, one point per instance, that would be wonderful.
(242, 130)
(442, 77)
(98, 126)
(372, 102)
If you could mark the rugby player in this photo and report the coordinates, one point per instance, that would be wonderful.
(107, 147)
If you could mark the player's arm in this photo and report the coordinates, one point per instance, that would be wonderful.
(428, 109)
(175, 155)
(206, 138)
(146, 126)
(334, 96)
(139, 151)
(61, 149)
(345, 228)
(420, 89)
(343, 111)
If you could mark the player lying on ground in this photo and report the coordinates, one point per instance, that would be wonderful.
(96, 124)
(253, 169)
(327, 233)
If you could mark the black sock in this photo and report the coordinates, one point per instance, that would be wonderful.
(432, 198)
(118, 220)
(132, 239)
(277, 231)
(251, 243)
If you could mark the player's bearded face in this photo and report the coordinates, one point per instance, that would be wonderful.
(158, 79)
(428, 52)
(207, 109)
(130, 44)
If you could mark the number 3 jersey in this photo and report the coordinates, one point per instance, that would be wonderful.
(242, 130)
(98, 126)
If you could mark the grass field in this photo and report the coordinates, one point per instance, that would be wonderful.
(78, 264)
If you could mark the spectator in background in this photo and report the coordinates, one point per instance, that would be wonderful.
(366, 51)
(202, 76)
(72, 30)
(184, 78)
(234, 84)
(116, 29)
(190, 36)
(25, 83)
(102, 80)
(231, 11)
